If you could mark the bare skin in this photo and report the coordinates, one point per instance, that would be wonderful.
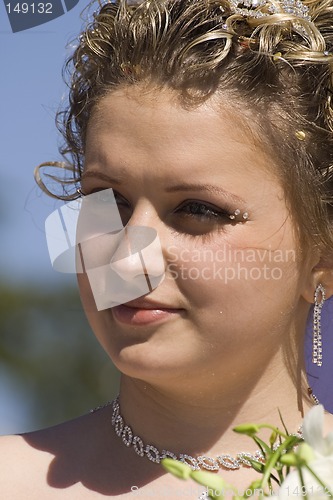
(219, 359)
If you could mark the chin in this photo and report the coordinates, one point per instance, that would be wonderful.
(150, 361)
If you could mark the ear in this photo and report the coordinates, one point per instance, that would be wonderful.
(321, 272)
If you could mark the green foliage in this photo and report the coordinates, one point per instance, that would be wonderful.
(47, 347)
(272, 467)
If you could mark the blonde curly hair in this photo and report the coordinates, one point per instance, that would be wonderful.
(274, 66)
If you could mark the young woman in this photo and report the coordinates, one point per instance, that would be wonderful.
(211, 121)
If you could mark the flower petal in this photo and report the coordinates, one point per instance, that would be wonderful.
(313, 429)
(291, 486)
(329, 444)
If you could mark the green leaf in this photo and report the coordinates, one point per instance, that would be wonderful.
(289, 459)
(274, 459)
(257, 466)
(282, 421)
(255, 485)
(273, 438)
(247, 429)
(263, 446)
(176, 468)
(305, 453)
(209, 479)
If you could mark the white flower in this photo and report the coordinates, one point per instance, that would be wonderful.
(313, 433)
(321, 462)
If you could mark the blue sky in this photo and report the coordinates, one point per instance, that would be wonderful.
(31, 90)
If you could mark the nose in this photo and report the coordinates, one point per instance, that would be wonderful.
(139, 250)
(138, 253)
(125, 265)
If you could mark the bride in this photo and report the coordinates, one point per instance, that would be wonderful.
(210, 122)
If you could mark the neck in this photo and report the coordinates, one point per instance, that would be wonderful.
(168, 416)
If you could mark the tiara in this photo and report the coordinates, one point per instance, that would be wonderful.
(264, 8)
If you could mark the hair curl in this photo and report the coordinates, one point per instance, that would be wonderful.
(277, 69)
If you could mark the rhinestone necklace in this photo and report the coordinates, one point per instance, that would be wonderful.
(153, 454)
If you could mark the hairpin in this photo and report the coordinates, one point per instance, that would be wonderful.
(264, 8)
(131, 70)
(277, 56)
(237, 212)
(80, 193)
(300, 134)
(127, 68)
(245, 42)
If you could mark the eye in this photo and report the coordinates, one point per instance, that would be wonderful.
(203, 212)
(197, 218)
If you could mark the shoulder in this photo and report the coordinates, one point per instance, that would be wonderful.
(21, 464)
(34, 464)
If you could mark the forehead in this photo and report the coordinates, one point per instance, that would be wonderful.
(150, 146)
(133, 120)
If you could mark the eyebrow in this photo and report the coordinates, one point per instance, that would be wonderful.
(170, 189)
(100, 175)
(204, 187)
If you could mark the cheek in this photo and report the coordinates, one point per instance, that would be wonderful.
(238, 299)
(224, 276)
(99, 320)
(95, 317)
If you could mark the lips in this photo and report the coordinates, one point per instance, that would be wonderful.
(145, 303)
(144, 311)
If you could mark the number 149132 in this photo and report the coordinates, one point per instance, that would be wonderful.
(29, 8)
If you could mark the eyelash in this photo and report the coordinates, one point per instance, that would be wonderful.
(201, 212)
(208, 217)
(208, 212)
